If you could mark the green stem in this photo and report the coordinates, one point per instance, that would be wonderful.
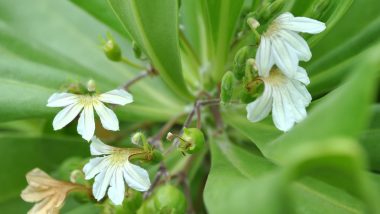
(132, 64)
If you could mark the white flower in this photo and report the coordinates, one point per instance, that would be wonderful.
(287, 98)
(281, 45)
(75, 103)
(112, 169)
(48, 193)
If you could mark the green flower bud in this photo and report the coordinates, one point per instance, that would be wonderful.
(250, 72)
(227, 87)
(270, 9)
(191, 141)
(240, 60)
(147, 207)
(169, 199)
(69, 166)
(136, 50)
(111, 49)
(140, 140)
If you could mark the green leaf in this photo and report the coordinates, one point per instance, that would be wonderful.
(346, 39)
(145, 21)
(254, 185)
(38, 60)
(222, 17)
(102, 11)
(370, 140)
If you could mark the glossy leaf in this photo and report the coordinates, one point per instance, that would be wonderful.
(145, 21)
(31, 71)
(270, 189)
(222, 17)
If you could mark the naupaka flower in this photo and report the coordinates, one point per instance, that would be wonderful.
(286, 97)
(112, 168)
(48, 194)
(281, 45)
(85, 105)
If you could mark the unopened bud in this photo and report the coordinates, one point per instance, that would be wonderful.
(170, 136)
(91, 85)
(191, 141)
(253, 23)
(240, 60)
(227, 87)
(111, 49)
(137, 139)
(250, 72)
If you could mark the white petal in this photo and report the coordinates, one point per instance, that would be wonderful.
(116, 192)
(102, 181)
(281, 112)
(304, 25)
(301, 75)
(284, 57)
(86, 123)
(297, 43)
(95, 166)
(136, 177)
(304, 94)
(260, 108)
(117, 96)
(285, 17)
(294, 101)
(264, 60)
(66, 115)
(107, 117)
(62, 99)
(97, 147)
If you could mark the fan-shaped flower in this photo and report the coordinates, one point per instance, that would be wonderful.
(281, 45)
(48, 194)
(112, 169)
(74, 104)
(286, 97)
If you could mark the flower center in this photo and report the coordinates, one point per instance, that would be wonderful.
(272, 29)
(275, 77)
(119, 157)
(87, 99)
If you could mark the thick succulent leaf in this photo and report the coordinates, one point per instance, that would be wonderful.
(370, 140)
(222, 17)
(353, 33)
(38, 60)
(154, 25)
(24, 153)
(102, 11)
(254, 185)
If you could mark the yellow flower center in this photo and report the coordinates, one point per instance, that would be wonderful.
(272, 29)
(275, 77)
(119, 157)
(88, 99)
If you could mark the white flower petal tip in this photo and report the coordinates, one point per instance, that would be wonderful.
(281, 45)
(286, 97)
(84, 106)
(48, 194)
(117, 96)
(112, 170)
